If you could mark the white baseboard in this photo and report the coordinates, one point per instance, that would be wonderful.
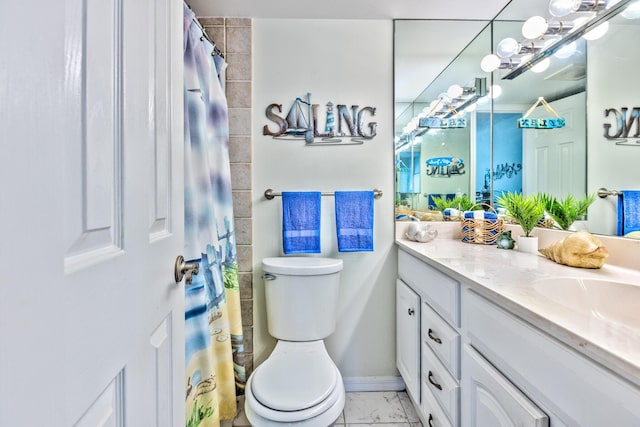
(373, 383)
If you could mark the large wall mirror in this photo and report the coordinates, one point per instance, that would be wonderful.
(571, 71)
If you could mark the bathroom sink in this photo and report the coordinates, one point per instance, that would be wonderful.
(604, 299)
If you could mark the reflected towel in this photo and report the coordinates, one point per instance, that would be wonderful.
(301, 222)
(628, 212)
(354, 221)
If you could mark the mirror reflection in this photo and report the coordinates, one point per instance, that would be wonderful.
(557, 114)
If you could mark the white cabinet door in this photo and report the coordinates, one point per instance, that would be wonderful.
(91, 319)
(408, 338)
(490, 400)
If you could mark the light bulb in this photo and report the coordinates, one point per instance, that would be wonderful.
(484, 100)
(434, 104)
(454, 91)
(534, 27)
(597, 32)
(490, 63)
(541, 66)
(560, 8)
(495, 91)
(632, 11)
(566, 51)
(507, 47)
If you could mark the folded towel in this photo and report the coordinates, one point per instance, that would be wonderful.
(628, 212)
(354, 221)
(301, 222)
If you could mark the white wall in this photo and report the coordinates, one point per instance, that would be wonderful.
(345, 62)
(612, 83)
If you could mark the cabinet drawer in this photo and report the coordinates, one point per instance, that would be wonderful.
(442, 385)
(431, 410)
(441, 291)
(442, 339)
(491, 400)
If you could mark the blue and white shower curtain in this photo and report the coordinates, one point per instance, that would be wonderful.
(213, 325)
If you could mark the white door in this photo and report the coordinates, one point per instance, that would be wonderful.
(91, 320)
(555, 160)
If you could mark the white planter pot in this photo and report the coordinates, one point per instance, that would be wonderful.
(528, 244)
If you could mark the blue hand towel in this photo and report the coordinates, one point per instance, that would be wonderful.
(354, 221)
(628, 212)
(301, 222)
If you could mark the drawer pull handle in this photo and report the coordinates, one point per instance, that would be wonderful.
(435, 384)
(433, 337)
(430, 420)
(411, 311)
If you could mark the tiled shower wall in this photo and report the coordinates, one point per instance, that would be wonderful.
(233, 38)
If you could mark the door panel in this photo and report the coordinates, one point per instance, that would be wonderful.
(91, 321)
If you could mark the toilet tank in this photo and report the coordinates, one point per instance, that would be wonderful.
(301, 296)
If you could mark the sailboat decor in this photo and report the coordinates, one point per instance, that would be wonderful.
(301, 123)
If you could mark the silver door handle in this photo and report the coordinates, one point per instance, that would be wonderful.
(182, 269)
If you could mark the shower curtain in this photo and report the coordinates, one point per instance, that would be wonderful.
(213, 325)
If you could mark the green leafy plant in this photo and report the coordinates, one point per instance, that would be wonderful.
(526, 211)
(566, 211)
(463, 203)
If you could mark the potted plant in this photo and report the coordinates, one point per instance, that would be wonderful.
(566, 212)
(526, 211)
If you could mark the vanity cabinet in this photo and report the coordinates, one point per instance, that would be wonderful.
(437, 392)
(482, 366)
(408, 338)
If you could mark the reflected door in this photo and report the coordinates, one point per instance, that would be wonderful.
(554, 160)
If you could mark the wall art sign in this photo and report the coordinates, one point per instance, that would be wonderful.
(301, 123)
(444, 167)
(437, 123)
(622, 125)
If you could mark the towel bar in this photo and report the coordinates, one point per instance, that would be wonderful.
(270, 194)
(603, 192)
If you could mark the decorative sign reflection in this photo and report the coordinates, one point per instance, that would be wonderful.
(622, 125)
(437, 123)
(444, 167)
(549, 123)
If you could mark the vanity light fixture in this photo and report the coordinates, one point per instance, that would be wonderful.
(560, 8)
(537, 26)
(600, 11)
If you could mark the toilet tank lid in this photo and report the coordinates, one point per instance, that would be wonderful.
(301, 266)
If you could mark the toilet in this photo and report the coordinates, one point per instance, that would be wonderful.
(298, 385)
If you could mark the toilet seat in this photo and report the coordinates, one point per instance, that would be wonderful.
(297, 382)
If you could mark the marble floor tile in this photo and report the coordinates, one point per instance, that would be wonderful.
(374, 408)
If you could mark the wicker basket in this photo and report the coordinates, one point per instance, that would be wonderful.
(481, 231)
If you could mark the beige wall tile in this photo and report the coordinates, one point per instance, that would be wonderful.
(247, 332)
(238, 22)
(211, 21)
(241, 176)
(239, 39)
(246, 285)
(239, 66)
(240, 121)
(240, 149)
(244, 233)
(239, 94)
(247, 312)
(245, 258)
(218, 36)
(242, 204)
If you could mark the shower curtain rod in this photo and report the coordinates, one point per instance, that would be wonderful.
(216, 50)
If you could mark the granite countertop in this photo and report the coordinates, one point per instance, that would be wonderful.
(506, 278)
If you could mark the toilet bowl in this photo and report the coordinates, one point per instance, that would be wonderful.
(298, 384)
